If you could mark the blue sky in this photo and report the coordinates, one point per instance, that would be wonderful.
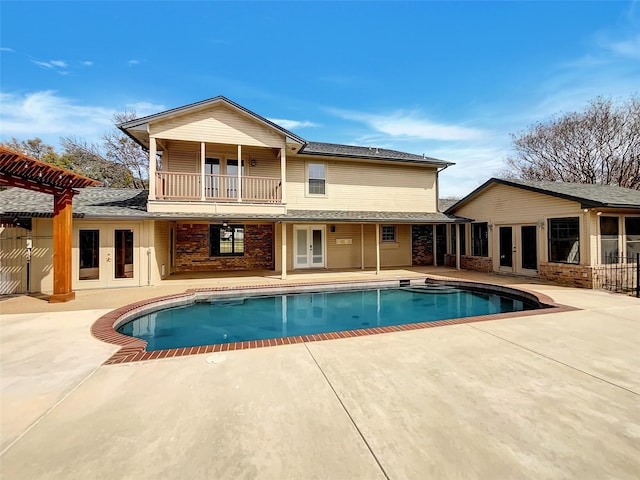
(452, 80)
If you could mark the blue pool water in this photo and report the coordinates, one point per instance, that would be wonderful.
(255, 318)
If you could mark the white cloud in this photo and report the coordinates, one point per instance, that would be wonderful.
(87, 63)
(6, 49)
(402, 124)
(47, 115)
(292, 124)
(51, 64)
(42, 64)
(143, 109)
(133, 62)
(625, 48)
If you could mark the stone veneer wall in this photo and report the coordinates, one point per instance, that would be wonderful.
(479, 264)
(567, 274)
(421, 244)
(192, 249)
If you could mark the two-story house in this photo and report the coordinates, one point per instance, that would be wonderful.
(230, 190)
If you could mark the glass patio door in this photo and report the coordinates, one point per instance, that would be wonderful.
(506, 247)
(309, 246)
(107, 256)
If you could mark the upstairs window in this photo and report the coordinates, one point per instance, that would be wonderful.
(480, 239)
(226, 240)
(564, 240)
(317, 177)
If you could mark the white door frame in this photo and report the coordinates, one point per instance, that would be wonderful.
(309, 246)
(517, 249)
(106, 256)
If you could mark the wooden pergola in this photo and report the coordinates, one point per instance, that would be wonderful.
(18, 170)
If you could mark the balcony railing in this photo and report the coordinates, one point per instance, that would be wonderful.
(217, 188)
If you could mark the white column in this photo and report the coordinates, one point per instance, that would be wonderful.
(283, 260)
(152, 168)
(283, 174)
(435, 261)
(457, 246)
(203, 154)
(239, 173)
(362, 246)
(377, 249)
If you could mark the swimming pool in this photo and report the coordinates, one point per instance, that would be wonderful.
(245, 318)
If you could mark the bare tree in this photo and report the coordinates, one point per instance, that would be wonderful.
(86, 159)
(122, 150)
(600, 145)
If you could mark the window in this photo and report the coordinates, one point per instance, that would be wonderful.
(317, 173)
(608, 240)
(226, 240)
(388, 234)
(564, 240)
(463, 239)
(632, 232)
(479, 239)
(89, 247)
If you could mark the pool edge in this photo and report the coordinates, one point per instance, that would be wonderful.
(133, 349)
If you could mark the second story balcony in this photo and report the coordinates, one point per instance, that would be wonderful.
(178, 186)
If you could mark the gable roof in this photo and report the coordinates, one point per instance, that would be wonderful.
(587, 195)
(138, 122)
(308, 148)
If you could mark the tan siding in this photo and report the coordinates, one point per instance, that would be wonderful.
(183, 157)
(13, 260)
(505, 205)
(343, 256)
(161, 232)
(42, 255)
(364, 186)
(218, 124)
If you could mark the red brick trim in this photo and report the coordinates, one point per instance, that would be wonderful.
(133, 349)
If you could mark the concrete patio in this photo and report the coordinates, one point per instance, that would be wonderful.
(555, 395)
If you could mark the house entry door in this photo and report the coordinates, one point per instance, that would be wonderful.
(529, 249)
(506, 247)
(309, 246)
(518, 246)
(108, 256)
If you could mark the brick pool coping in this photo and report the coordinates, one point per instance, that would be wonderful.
(133, 349)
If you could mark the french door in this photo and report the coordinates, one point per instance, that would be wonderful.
(309, 248)
(107, 256)
(518, 249)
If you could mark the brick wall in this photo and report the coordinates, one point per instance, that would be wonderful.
(192, 249)
(422, 245)
(478, 264)
(570, 275)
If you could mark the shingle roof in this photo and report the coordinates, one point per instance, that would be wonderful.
(308, 148)
(353, 151)
(589, 196)
(130, 203)
(93, 202)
